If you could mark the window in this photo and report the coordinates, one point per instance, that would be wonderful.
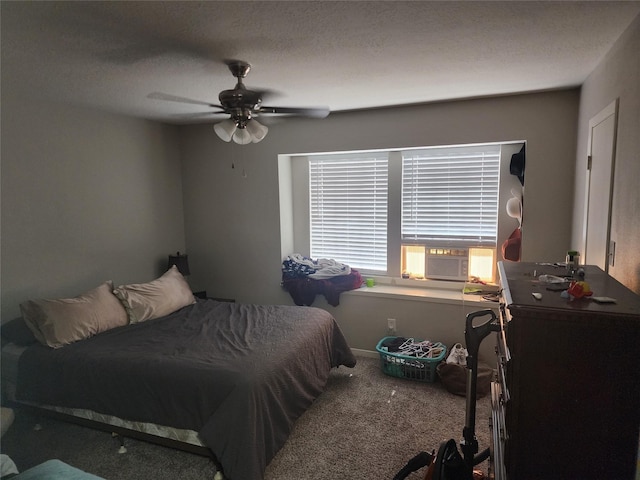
(348, 209)
(383, 211)
(450, 196)
(450, 204)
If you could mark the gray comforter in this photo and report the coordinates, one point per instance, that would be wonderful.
(240, 375)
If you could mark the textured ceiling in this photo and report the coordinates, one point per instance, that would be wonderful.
(344, 55)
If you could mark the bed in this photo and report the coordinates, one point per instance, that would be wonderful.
(226, 376)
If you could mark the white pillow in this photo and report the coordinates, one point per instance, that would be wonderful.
(62, 321)
(164, 295)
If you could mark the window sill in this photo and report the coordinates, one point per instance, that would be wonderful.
(427, 291)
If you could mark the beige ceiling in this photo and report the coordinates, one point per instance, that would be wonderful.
(341, 54)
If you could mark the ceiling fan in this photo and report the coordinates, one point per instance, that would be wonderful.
(243, 105)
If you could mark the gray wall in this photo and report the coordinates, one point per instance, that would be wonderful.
(89, 196)
(232, 200)
(86, 197)
(232, 220)
(617, 76)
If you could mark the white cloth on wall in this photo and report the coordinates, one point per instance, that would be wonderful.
(514, 207)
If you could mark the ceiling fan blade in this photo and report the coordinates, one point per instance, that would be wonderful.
(316, 112)
(197, 114)
(175, 98)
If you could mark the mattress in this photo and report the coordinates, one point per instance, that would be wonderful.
(10, 357)
(238, 375)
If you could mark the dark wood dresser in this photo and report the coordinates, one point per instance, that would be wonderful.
(566, 404)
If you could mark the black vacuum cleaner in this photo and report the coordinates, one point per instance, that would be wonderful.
(448, 463)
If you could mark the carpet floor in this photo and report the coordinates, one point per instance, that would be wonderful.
(365, 426)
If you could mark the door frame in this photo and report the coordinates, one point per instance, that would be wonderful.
(606, 112)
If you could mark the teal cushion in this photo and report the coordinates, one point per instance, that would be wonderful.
(55, 470)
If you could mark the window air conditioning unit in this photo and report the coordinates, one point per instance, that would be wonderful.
(447, 263)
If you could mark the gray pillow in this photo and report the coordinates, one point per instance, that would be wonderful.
(17, 332)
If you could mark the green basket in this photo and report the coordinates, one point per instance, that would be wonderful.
(409, 367)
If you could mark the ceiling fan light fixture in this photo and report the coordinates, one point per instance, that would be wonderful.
(256, 130)
(226, 129)
(242, 104)
(242, 136)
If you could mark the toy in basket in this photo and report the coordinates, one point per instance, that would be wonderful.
(409, 358)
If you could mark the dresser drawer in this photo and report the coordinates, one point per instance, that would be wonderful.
(498, 434)
(503, 354)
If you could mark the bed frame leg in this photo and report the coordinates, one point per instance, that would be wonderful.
(120, 438)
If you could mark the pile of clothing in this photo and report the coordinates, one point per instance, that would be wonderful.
(304, 278)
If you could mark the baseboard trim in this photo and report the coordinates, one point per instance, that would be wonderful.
(364, 353)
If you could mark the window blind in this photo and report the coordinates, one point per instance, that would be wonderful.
(450, 195)
(348, 209)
